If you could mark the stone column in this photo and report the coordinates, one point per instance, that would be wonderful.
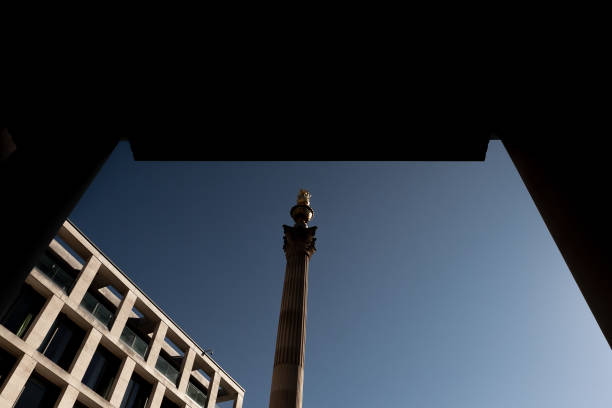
(157, 395)
(84, 279)
(213, 389)
(156, 343)
(122, 381)
(85, 353)
(288, 373)
(123, 313)
(186, 369)
(44, 321)
(17, 379)
(238, 401)
(67, 398)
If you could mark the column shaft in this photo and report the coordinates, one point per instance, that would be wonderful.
(67, 398)
(156, 344)
(238, 401)
(44, 321)
(17, 380)
(84, 279)
(123, 313)
(288, 373)
(157, 396)
(292, 321)
(186, 369)
(85, 353)
(213, 389)
(122, 381)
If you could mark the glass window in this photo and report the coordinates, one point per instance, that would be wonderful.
(62, 341)
(196, 392)
(22, 312)
(134, 340)
(166, 403)
(137, 393)
(101, 372)
(164, 366)
(38, 392)
(97, 309)
(7, 361)
(62, 274)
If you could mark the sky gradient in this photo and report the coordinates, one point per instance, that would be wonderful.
(434, 284)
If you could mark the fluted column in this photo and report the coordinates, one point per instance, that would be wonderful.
(288, 373)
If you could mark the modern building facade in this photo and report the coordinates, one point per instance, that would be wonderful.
(82, 334)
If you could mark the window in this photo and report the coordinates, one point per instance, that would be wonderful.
(134, 340)
(100, 311)
(137, 393)
(62, 274)
(167, 368)
(7, 361)
(101, 372)
(166, 403)
(38, 392)
(22, 312)
(62, 341)
(196, 392)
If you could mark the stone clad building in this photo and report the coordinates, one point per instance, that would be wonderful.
(82, 334)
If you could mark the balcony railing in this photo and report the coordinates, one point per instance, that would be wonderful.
(167, 369)
(197, 395)
(137, 343)
(56, 273)
(97, 309)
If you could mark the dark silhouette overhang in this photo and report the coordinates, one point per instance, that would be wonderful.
(428, 148)
(567, 176)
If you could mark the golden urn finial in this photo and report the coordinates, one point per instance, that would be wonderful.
(302, 213)
(303, 197)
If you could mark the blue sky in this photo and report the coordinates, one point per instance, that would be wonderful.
(434, 284)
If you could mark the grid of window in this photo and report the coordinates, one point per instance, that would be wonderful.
(62, 342)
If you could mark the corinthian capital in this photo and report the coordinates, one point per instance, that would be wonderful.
(299, 240)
